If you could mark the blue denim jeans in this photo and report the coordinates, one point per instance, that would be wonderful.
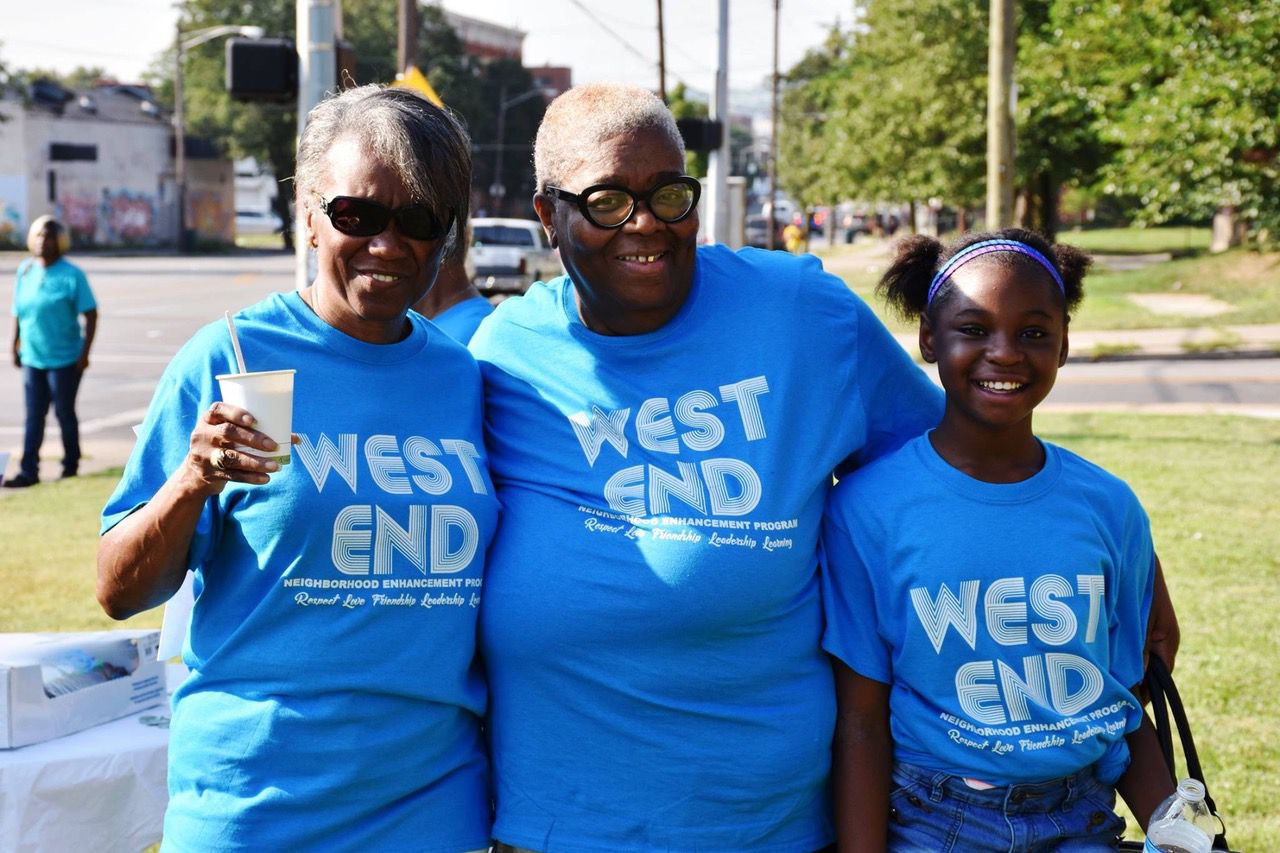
(59, 386)
(940, 813)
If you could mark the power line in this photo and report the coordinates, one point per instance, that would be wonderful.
(63, 47)
(621, 39)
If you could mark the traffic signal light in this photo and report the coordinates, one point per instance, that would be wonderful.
(262, 70)
(700, 134)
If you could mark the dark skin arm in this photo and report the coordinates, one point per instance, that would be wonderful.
(1145, 782)
(17, 342)
(1163, 634)
(862, 762)
(142, 561)
(90, 329)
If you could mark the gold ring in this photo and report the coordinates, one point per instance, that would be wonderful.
(219, 459)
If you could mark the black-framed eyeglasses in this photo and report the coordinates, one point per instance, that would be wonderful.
(611, 205)
(362, 217)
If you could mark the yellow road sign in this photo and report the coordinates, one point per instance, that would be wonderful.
(417, 81)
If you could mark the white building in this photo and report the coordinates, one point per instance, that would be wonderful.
(102, 161)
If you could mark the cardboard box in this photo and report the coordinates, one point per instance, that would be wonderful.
(55, 684)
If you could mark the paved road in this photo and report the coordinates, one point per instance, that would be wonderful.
(149, 306)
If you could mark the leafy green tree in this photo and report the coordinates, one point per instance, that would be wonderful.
(267, 131)
(891, 110)
(1059, 112)
(1193, 109)
(682, 106)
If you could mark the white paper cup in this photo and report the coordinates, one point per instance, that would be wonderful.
(268, 396)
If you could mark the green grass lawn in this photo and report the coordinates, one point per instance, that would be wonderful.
(1209, 484)
(1247, 280)
(50, 536)
(1250, 281)
(1138, 241)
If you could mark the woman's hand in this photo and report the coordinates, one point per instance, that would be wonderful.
(212, 461)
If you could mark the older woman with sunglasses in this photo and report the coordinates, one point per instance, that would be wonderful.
(663, 425)
(333, 701)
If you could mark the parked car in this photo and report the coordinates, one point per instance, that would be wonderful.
(510, 254)
(257, 222)
(756, 232)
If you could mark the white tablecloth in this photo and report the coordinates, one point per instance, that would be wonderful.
(102, 790)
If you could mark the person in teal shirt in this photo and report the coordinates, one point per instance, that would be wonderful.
(453, 303)
(49, 345)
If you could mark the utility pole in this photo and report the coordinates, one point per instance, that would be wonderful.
(407, 41)
(773, 136)
(316, 22)
(1000, 53)
(662, 57)
(179, 141)
(718, 159)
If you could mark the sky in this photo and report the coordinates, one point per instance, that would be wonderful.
(602, 40)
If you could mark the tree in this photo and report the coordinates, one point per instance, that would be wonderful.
(892, 109)
(1059, 113)
(267, 132)
(1192, 110)
(682, 106)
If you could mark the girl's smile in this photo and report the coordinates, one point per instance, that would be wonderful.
(998, 338)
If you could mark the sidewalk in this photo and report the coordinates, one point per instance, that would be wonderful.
(1202, 342)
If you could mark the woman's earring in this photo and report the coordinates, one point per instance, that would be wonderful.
(312, 241)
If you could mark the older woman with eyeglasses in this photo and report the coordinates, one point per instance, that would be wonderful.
(663, 425)
(333, 701)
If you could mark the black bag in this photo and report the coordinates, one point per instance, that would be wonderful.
(1164, 700)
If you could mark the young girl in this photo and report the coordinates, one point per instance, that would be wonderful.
(987, 593)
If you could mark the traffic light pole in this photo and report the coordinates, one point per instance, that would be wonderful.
(718, 160)
(317, 69)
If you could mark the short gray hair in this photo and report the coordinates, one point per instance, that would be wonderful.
(425, 145)
(578, 121)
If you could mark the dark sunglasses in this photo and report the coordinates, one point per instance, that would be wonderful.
(360, 217)
(612, 205)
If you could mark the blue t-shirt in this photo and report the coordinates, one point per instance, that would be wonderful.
(334, 701)
(48, 302)
(1008, 619)
(652, 623)
(460, 321)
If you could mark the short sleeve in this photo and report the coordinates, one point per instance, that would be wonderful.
(84, 296)
(848, 598)
(1134, 583)
(899, 399)
(17, 287)
(164, 439)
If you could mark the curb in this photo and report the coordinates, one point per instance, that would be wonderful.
(1206, 355)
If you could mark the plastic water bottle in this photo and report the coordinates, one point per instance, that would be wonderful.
(1182, 823)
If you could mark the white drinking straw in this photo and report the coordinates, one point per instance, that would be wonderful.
(235, 341)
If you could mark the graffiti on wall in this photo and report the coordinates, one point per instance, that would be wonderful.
(13, 203)
(210, 215)
(80, 213)
(119, 217)
(131, 217)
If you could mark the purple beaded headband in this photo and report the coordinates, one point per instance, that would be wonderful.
(987, 247)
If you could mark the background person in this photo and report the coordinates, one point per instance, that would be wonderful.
(453, 303)
(663, 424)
(334, 701)
(49, 298)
